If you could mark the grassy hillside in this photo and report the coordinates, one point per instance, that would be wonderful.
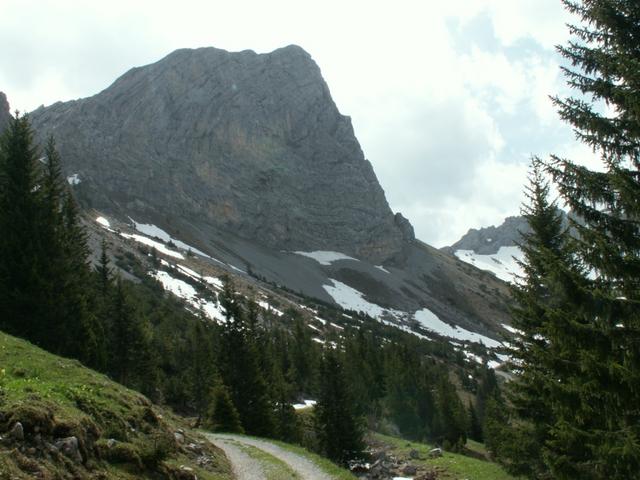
(449, 466)
(45, 400)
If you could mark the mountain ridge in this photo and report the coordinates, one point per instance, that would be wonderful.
(246, 157)
(240, 141)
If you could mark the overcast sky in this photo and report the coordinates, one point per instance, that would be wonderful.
(448, 99)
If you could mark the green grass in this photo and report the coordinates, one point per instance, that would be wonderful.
(451, 466)
(274, 468)
(54, 397)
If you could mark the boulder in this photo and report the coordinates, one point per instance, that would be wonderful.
(69, 447)
(17, 431)
(435, 452)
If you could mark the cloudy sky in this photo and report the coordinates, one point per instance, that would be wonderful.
(448, 99)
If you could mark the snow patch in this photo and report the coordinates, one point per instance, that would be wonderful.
(153, 231)
(73, 179)
(510, 329)
(352, 299)
(183, 290)
(380, 267)
(430, 321)
(269, 308)
(325, 257)
(152, 243)
(503, 264)
(305, 404)
(103, 221)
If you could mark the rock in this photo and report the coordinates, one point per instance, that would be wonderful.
(414, 454)
(5, 112)
(428, 476)
(246, 143)
(435, 452)
(69, 447)
(179, 437)
(17, 431)
(409, 470)
(111, 443)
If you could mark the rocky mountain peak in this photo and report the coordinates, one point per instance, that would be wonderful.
(5, 112)
(488, 240)
(208, 141)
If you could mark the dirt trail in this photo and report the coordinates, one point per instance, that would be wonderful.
(305, 468)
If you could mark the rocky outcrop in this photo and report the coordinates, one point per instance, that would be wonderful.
(246, 143)
(5, 112)
(488, 240)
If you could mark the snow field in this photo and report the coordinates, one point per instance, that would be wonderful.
(502, 264)
(324, 257)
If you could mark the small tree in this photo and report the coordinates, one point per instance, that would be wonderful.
(222, 415)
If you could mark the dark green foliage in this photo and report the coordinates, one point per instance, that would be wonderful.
(240, 365)
(146, 339)
(340, 429)
(475, 426)
(450, 424)
(575, 400)
(222, 415)
(22, 299)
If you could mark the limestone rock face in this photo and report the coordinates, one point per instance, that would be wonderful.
(245, 143)
(488, 240)
(5, 112)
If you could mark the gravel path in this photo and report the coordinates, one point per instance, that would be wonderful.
(301, 465)
(244, 467)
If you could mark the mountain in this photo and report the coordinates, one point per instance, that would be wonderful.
(238, 142)
(246, 158)
(5, 112)
(489, 240)
(493, 249)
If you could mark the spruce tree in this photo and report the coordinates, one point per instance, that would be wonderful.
(22, 286)
(222, 415)
(597, 426)
(578, 355)
(340, 430)
(240, 366)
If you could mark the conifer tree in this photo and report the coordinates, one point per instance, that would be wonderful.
(596, 433)
(580, 312)
(340, 430)
(222, 415)
(241, 367)
(22, 296)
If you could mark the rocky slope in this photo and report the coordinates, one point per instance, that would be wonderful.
(488, 240)
(5, 112)
(237, 142)
(246, 158)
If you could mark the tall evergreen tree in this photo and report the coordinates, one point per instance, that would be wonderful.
(22, 296)
(241, 366)
(539, 347)
(580, 307)
(340, 430)
(596, 432)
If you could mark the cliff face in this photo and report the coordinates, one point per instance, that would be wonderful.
(5, 112)
(246, 143)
